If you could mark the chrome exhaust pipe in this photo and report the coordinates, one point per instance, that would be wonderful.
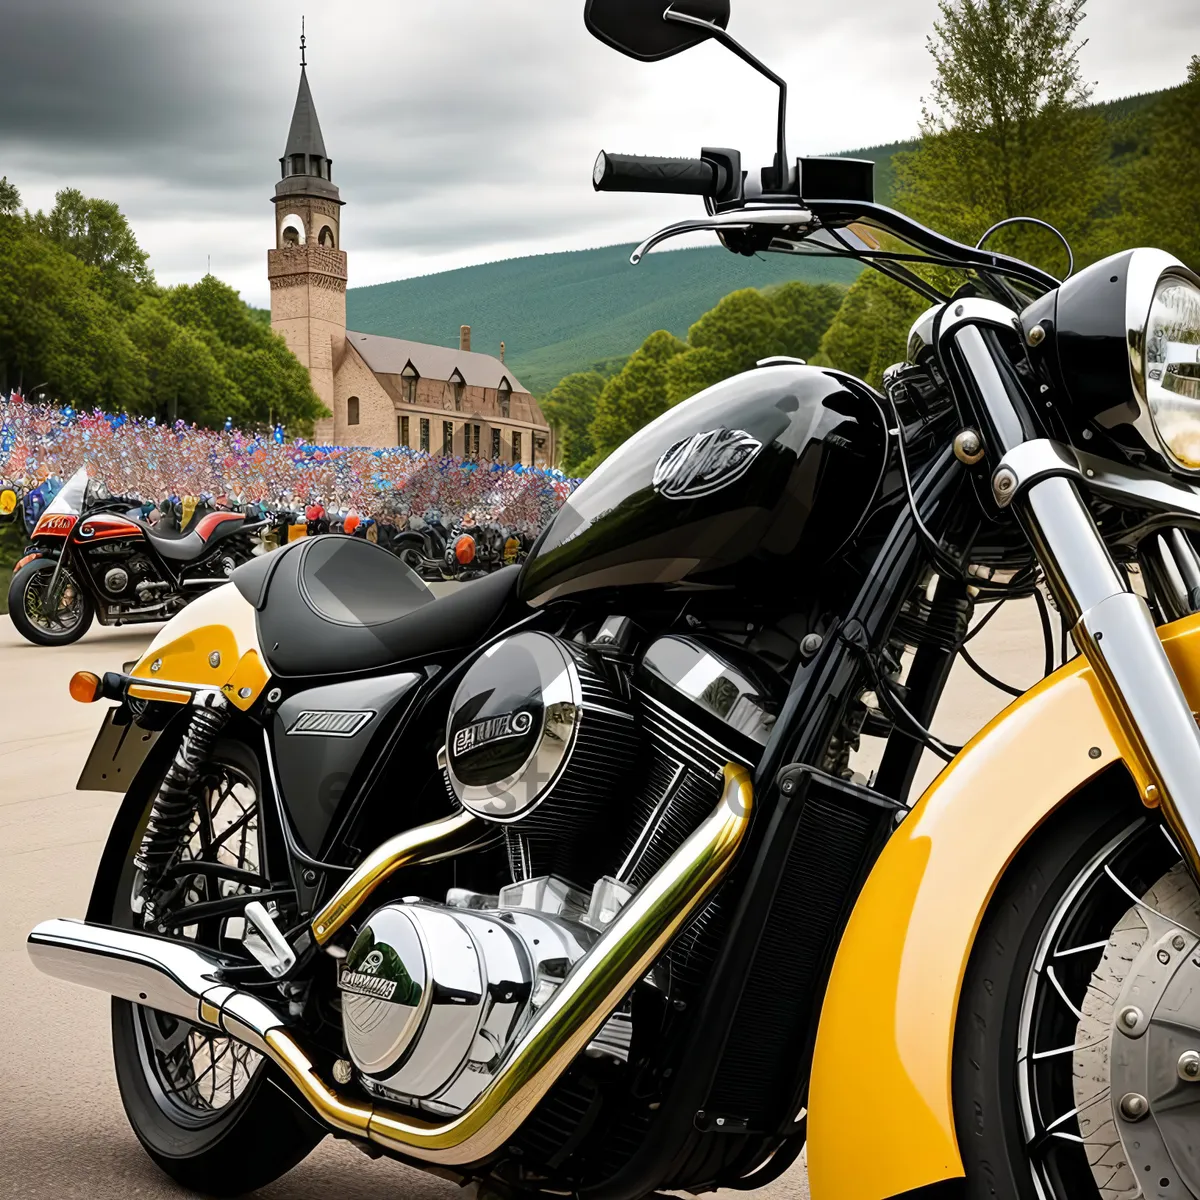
(184, 981)
(161, 974)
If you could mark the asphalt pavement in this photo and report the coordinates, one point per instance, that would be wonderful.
(63, 1132)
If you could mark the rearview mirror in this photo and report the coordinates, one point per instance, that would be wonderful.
(642, 29)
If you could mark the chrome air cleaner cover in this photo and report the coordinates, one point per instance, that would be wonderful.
(535, 716)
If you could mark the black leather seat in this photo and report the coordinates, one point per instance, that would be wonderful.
(187, 547)
(335, 605)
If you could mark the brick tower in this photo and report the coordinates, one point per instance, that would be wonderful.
(307, 268)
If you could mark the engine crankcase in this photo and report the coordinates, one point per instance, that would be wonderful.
(434, 994)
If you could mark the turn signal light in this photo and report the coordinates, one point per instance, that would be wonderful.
(464, 549)
(85, 687)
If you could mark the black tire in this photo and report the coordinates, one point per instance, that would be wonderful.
(1040, 893)
(23, 592)
(252, 1141)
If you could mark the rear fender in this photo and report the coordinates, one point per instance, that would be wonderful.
(212, 643)
(881, 1120)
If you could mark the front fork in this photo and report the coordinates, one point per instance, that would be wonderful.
(1115, 631)
(1113, 627)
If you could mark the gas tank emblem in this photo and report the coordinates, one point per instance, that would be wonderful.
(705, 463)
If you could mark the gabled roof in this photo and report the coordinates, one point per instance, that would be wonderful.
(304, 137)
(389, 356)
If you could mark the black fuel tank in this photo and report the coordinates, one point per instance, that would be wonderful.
(754, 482)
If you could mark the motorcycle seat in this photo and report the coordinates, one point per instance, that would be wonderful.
(185, 547)
(336, 605)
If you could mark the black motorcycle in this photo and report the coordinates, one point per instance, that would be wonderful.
(92, 555)
(567, 884)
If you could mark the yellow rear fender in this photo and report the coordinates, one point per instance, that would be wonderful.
(881, 1118)
(212, 643)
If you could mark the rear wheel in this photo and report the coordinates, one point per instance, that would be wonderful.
(43, 618)
(1031, 1090)
(210, 1111)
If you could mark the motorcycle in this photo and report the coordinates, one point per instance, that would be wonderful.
(421, 545)
(91, 555)
(566, 884)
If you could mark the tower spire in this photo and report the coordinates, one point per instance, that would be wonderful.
(303, 64)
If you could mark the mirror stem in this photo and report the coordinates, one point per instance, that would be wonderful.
(782, 171)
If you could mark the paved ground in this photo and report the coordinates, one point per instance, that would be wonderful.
(62, 1130)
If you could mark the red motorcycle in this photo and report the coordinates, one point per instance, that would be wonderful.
(93, 557)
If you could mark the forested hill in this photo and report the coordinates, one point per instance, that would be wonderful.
(559, 313)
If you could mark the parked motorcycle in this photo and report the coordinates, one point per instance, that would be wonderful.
(93, 556)
(566, 884)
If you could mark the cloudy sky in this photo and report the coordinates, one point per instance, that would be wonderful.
(461, 131)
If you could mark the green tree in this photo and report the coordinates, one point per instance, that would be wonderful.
(570, 406)
(10, 198)
(634, 397)
(749, 325)
(1005, 132)
(57, 331)
(1162, 189)
(97, 233)
(870, 331)
(267, 382)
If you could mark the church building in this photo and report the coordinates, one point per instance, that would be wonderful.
(382, 391)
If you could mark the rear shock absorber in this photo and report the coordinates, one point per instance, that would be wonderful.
(173, 808)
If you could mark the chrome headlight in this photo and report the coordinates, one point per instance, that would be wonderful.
(1166, 365)
(1126, 349)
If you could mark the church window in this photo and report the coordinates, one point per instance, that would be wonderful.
(326, 238)
(473, 433)
(458, 386)
(315, 165)
(352, 411)
(516, 455)
(297, 164)
(291, 232)
(505, 393)
(447, 438)
(495, 445)
(402, 431)
(425, 434)
(409, 377)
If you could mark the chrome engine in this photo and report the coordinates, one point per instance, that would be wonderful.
(598, 764)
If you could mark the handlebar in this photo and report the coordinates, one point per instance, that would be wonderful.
(675, 176)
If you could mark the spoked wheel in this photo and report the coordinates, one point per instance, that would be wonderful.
(48, 612)
(1041, 1066)
(206, 1108)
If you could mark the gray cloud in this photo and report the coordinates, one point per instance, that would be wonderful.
(461, 131)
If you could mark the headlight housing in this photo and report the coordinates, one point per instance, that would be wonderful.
(1125, 347)
(1166, 367)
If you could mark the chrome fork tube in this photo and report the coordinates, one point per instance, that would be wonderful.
(1115, 631)
(1113, 627)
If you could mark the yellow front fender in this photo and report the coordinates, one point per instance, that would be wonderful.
(880, 1112)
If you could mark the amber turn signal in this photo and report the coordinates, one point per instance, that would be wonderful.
(85, 687)
(464, 549)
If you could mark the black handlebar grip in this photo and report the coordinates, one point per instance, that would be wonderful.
(676, 176)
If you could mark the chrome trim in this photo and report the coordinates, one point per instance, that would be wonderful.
(994, 394)
(970, 311)
(330, 723)
(264, 939)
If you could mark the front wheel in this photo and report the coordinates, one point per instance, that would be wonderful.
(1033, 1084)
(43, 618)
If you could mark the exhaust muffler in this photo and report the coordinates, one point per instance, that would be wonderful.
(186, 982)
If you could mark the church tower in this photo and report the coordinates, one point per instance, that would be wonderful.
(307, 268)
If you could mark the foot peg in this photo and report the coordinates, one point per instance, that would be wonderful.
(266, 942)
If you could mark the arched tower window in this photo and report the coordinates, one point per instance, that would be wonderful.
(291, 231)
(505, 394)
(352, 411)
(458, 386)
(326, 238)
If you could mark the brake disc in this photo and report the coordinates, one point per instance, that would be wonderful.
(1137, 1056)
